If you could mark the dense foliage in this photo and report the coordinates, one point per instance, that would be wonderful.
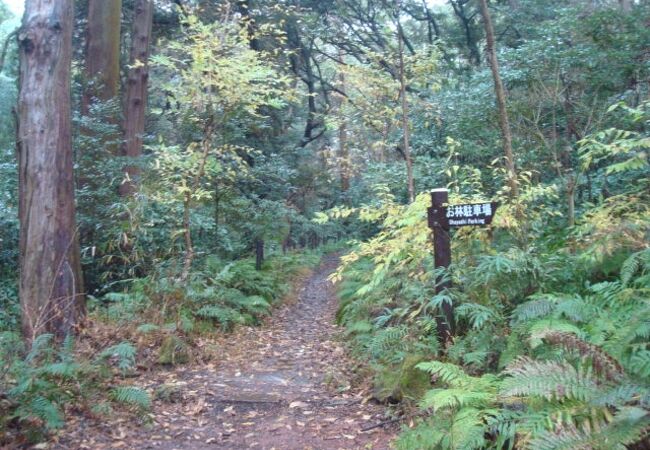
(275, 128)
(551, 342)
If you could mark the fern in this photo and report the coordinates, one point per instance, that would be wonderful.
(468, 429)
(125, 353)
(627, 426)
(602, 363)
(447, 373)
(224, 315)
(131, 396)
(66, 369)
(549, 380)
(538, 306)
(640, 363)
(635, 263)
(431, 434)
(478, 315)
(254, 304)
(147, 328)
(387, 342)
(41, 345)
(43, 409)
(455, 398)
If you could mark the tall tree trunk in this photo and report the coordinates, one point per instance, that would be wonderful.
(102, 71)
(344, 153)
(504, 124)
(135, 104)
(405, 116)
(102, 51)
(50, 286)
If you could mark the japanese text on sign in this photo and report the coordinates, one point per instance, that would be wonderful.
(474, 214)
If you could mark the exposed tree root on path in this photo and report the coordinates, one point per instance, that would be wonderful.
(284, 385)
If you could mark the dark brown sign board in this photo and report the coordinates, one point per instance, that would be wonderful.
(442, 217)
(469, 214)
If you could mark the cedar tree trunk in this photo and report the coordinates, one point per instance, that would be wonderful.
(135, 104)
(50, 286)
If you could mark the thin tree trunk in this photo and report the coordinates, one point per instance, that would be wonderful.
(187, 203)
(50, 286)
(504, 124)
(405, 116)
(259, 253)
(135, 104)
(344, 154)
(571, 199)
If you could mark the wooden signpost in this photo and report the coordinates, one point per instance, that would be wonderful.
(442, 217)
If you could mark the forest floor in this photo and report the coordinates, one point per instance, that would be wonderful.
(285, 385)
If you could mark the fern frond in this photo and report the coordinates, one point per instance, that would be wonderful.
(640, 363)
(125, 353)
(635, 263)
(387, 339)
(468, 429)
(67, 370)
(456, 398)
(132, 396)
(44, 409)
(146, 328)
(628, 426)
(540, 329)
(224, 315)
(540, 306)
(601, 362)
(432, 434)
(478, 315)
(39, 345)
(449, 373)
(549, 380)
(254, 304)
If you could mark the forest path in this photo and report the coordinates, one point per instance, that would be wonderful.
(284, 385)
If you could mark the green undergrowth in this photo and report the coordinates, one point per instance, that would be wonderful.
(39, 384)
(153, 322)
(551, 346)
(217, 296)
(551, 349)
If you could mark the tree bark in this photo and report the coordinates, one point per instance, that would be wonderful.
(344, 153)
(135, 104)
(504, 124)
(259, 253)
(50, 286)
(102, 51)
(405, 117)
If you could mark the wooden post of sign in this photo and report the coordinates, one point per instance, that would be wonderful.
(442, 258)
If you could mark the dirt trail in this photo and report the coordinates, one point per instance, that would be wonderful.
(280, 386)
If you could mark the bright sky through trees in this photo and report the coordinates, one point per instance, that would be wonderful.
(16, 6)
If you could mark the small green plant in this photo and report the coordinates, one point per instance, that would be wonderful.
(40, 383)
